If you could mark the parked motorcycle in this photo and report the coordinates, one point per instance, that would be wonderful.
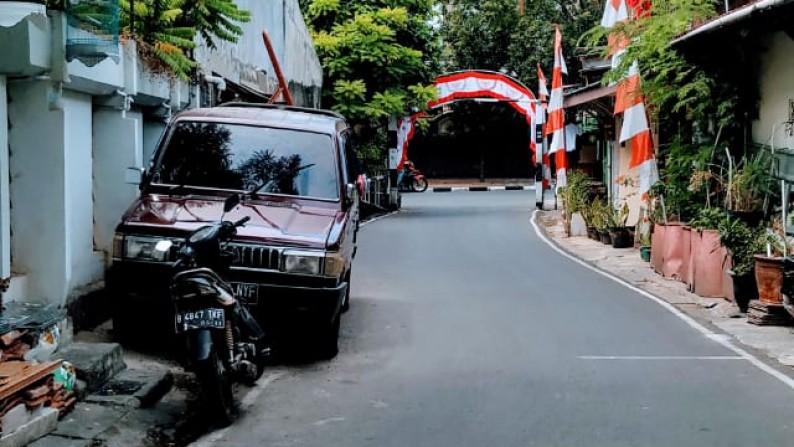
(413, 180)
(224, 341)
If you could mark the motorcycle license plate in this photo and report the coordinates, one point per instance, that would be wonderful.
(200, 319)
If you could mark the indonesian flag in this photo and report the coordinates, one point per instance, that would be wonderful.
(556, 122)
(614, 11)
(406, 127)
(543, 91)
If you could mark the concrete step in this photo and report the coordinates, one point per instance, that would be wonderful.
(96, 363)
(38, 424)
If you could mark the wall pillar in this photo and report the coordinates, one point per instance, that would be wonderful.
(5, 196)
(38, 188)
(51, 189)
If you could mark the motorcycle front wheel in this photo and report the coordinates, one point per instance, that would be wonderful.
(419, 185)
(216, 386)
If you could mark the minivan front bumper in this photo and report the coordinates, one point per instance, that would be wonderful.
(284, 301)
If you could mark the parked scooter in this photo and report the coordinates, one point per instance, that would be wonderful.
(224, 341)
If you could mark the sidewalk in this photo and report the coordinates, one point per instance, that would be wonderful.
(776, 342)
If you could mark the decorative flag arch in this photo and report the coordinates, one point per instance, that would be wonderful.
(471, 84)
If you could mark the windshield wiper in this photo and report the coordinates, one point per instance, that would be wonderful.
(268, 183)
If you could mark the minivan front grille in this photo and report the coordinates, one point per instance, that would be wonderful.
(255, 256)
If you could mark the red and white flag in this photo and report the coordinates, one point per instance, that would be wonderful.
(543, 91)
(556, 121)
(614, 11)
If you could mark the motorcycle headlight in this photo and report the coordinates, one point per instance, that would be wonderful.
(302, 262)
(142, 248)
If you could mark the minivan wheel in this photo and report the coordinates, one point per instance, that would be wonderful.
(328, 340)
(346, 301)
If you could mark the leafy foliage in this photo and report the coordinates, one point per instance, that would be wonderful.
(166, 29)
(216, 19)
(743, 242)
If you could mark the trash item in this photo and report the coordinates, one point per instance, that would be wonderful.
(66, 375)
(46, 346)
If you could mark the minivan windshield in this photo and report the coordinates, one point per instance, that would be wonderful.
(240, 157)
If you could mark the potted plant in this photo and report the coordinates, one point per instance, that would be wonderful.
(645, 248)
(749, 186)
(574, 196)
(769, 265)
(620, 235)
(742, 243)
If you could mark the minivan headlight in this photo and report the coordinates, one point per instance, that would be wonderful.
(301, 262)
(305, 262)
(142, 248)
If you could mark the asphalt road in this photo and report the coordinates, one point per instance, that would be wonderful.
(466, 329)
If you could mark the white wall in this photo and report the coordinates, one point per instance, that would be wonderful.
(776, 83)
(5, 209)
(117, 146)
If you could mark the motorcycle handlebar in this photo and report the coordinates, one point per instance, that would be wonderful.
(242, 221)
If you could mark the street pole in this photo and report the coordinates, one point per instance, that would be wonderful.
(540, 149)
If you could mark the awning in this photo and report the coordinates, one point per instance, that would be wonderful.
(588, 94)
(736, 16)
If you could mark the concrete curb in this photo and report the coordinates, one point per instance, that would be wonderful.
(482, 188)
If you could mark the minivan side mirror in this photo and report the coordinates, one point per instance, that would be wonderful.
(350, 193)
(134, 175)
(231, 202)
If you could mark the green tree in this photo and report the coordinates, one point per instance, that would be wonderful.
(494, 35)
(378, 58)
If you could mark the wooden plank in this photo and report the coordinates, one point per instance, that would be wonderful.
(28, 374)
(10, 337)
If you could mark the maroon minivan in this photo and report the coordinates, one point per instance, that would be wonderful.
(296, 174)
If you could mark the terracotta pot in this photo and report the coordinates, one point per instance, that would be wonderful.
(676, 248)
(769, 277)
(657, 247)
(683, 271)
(709, 262)
(695, 239)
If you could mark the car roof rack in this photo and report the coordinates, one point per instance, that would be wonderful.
(259, 105)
